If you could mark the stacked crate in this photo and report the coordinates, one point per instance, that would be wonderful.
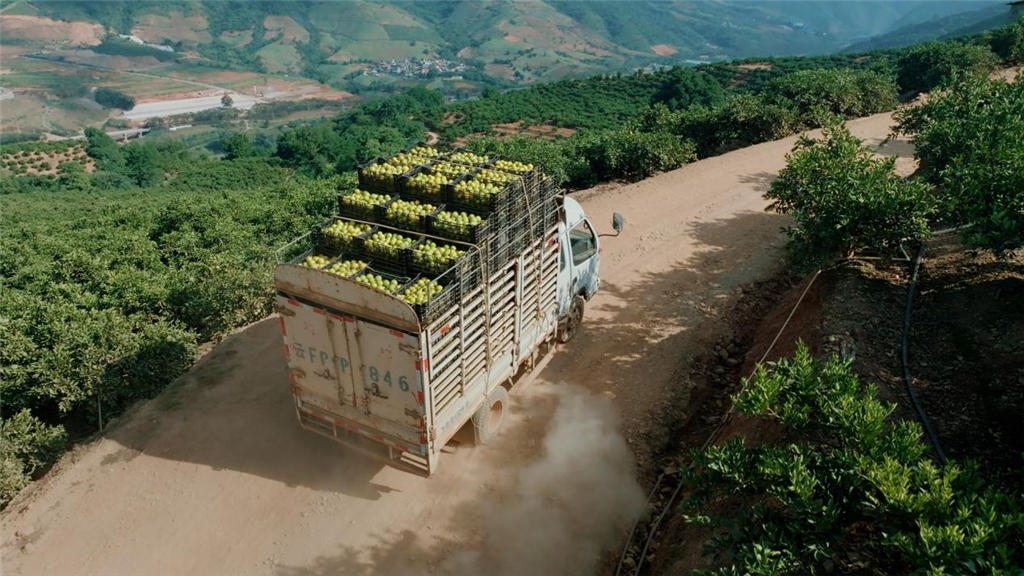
(413, 210)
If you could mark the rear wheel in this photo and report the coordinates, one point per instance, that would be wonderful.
(573, 320)
(488, 420)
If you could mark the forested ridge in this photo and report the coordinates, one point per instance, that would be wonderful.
(329, 41)
(113, 276)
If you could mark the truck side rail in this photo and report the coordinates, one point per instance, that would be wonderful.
(285, 254)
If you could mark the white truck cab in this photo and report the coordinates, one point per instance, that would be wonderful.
(579, 265)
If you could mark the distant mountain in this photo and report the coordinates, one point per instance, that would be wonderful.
(526, 41)
(930, 11)
(993, 15)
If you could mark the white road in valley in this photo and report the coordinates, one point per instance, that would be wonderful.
(185, 106)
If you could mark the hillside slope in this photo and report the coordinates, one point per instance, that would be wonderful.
(218, 467)
(940, 27)
(337, 42)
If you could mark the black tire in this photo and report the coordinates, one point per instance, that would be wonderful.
(489, 419)
(573, 321)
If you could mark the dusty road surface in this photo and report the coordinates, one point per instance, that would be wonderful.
(215, 476)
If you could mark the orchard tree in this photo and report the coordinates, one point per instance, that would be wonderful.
(923, 67)
(102, 148)
(848, 93)
(849, 482)
(109, 98)
(73, 177)
(843, 199)
(143, 165)
(237, 145)
(1008, 42)
(684, 87)
(970, 140)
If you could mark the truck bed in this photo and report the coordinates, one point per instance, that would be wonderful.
(365, 372)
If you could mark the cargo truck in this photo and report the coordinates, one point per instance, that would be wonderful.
(366, 371)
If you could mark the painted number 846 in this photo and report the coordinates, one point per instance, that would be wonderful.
(403, 382)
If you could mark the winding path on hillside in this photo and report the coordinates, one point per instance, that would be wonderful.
(214, 476)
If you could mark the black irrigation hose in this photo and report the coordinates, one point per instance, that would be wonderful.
(629, 540)
(921, 413)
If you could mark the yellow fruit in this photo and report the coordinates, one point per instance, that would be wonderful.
(457, 224)
(343, 229)
(428, 182)
(388, 243)
(317, 261)
(469, 158)
(512, 166)
(362, 198)
(474, 191)
(421, 291)
(495, 177)
(382, 174)
(378, 282)
(452, 171)
(346, 268)
(436, 258)
(406, 161)
(407, 213)
(424, 151)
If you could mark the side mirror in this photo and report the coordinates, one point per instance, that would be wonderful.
(618, 221)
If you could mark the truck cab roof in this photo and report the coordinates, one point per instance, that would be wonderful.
(574, 213)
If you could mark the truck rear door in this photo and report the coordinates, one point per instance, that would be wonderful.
(354, 368)
(314, 366)
(386, 372)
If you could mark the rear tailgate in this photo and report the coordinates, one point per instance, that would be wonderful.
(356, 374)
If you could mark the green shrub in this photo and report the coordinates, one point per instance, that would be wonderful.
(103, 180)
(237, 145)
(708, 128)
(102, 148)
(110, 98)
(846, 482)
(921, 68)
(970, 141)
(844, 199)
(1008, 42)
(634, 154)
(106, 296)
(756, 120)
(561, 158)
(848, 93)
(743, 120)
(593, 156)
(27, 446)
(684, 87)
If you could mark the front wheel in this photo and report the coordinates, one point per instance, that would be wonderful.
(573, 320)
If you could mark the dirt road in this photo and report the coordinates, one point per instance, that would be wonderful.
(215, 476)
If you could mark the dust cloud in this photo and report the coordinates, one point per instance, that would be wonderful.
(570, 506)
